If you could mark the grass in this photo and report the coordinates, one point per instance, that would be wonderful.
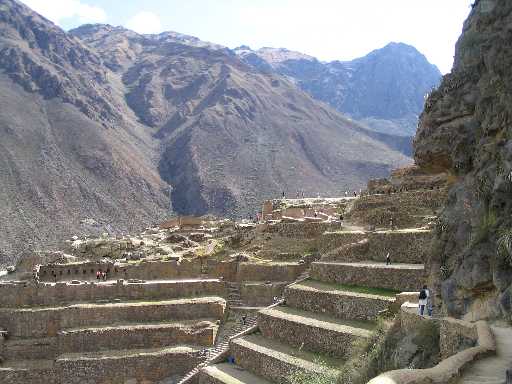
(304, 377)
(484, 228)
(354, 288)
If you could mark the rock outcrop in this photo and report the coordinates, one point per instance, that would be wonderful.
(465, 131)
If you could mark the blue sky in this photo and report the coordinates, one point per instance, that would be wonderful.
(326, 29)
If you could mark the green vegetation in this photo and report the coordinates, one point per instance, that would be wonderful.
(380, 353)
(302, 377)
(504, 244)
(358, 289)
(484, 229)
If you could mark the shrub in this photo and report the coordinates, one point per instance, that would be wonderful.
(504, 244)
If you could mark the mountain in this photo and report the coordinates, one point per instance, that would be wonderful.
(384, 89)
(70, 150)
(232, 135)
(96, 123)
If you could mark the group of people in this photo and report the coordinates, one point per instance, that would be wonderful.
(101, 275)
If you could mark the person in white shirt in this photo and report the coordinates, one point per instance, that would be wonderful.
(423, 300)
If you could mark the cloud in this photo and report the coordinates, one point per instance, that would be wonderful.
(145, 22)
(59, 10)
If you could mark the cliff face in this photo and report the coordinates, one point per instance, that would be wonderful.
(466, 130)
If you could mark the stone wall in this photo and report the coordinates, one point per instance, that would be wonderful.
(25, 375)
(333, 240)
(311, 336)
(301, 230)
(399, 279)
(144, 270)
(225, 269)
(407, 209)
(259, 294)
(455, 336)
(123, 369)
(43, 322)
(148, 367)
(47, 294)
(352, 306)
(31, 349)
(269, 271)
(403, 247)
(136, 336)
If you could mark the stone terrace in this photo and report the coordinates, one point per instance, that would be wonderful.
(348, 289)
(78, 332)
(71, 327)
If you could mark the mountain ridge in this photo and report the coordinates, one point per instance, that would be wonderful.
(130, 114)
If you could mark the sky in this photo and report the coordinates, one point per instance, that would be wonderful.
(326, 29)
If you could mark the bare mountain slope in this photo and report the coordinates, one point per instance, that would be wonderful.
(95, 123)
(59, 163)
(231, 134)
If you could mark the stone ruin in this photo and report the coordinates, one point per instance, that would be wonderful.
(198, 295)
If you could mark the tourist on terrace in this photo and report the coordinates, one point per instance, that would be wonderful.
(423, 300)
(388, 259)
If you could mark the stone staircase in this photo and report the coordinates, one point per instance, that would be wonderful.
(233, 326)
(319, 320)
(234, 296)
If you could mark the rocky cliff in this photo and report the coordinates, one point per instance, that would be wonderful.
(465, 130)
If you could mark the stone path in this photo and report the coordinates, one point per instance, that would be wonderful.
(492, 370)
(230, 329)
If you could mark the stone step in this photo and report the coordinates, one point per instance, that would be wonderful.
(311, 331)
(228, 374)
(399, 277)
(337, 301)
(138, 336)
(275, 361)
(143, 365)
(47, 321)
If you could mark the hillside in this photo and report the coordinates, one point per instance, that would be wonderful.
(69, 150)
(97, 122)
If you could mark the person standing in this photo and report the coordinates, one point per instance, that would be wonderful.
(423, 300)
(388, 259)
